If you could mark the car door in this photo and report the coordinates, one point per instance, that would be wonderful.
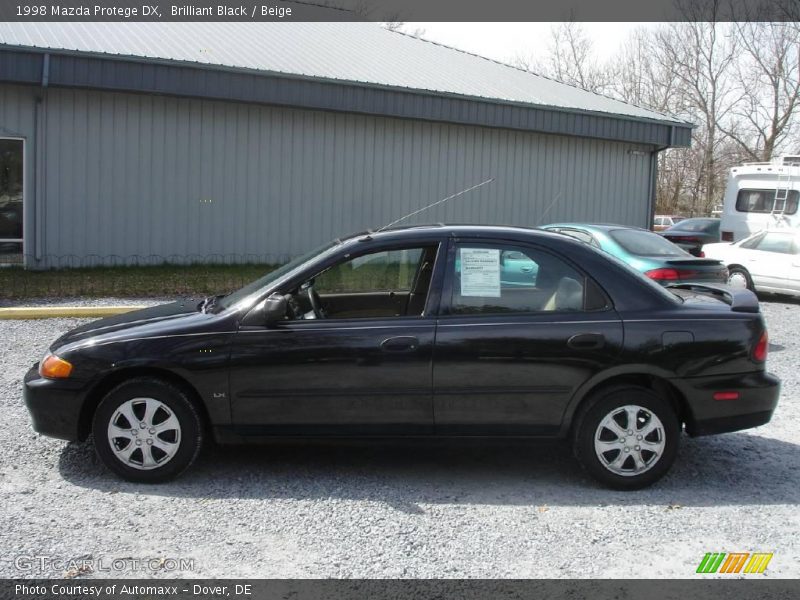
(508, 358)
(365, 369)
(770, 260)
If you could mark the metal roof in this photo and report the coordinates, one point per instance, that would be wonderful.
(354, 53)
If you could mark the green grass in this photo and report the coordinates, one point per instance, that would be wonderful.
(97, 282)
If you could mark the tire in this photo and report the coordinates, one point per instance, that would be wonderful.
(740, 275)
(636, 462)
(167, 440)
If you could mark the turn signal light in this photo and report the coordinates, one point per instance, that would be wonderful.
(760, 351)
(54, 367)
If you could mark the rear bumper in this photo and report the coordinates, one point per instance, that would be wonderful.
(54, 406)
(758, 397)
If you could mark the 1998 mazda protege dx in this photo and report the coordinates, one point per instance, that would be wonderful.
(419, 331)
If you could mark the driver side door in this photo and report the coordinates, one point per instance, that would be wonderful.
(363, 369)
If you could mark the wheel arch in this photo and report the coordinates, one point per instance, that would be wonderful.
(114, 378)
(654, 379)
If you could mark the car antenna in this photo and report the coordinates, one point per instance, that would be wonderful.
(416, 212)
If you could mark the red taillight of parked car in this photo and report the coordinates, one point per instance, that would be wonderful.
(726, 236)
(670, 274)
(761, 348)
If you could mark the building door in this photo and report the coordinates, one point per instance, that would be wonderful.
(11, 193)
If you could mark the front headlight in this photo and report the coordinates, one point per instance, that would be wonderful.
(54, 367)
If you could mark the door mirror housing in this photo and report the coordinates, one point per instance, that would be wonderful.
(267, 312)
(275, 308)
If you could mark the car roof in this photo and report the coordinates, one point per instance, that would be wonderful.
(605, 227)
(698, 219)
(453, 230)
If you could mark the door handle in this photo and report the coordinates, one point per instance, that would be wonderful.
(587, 341)
(400, 344)
(526, 269)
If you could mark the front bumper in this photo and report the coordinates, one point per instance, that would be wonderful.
(758, 397)
(54, 405)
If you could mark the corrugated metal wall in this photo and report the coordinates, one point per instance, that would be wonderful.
(126, 174)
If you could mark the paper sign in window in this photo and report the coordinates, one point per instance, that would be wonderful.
(480, 272)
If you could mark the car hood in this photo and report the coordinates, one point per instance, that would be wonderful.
(144, 322)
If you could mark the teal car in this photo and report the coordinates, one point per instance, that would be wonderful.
(516, 269)
(647, 252)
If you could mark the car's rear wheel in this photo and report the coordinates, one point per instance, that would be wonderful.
(147, 430)
(627, 437)
(738, 277)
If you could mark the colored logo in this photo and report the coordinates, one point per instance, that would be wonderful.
(734, 562)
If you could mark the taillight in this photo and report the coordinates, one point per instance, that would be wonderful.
(726, 236)
(702, 254)
(726, 395)
(669, 274)
(760, 350)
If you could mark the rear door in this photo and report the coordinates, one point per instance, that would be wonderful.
(508, 358)
(772, 260)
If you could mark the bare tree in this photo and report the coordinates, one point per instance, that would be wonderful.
(402, 27)
(569, 59)
(769, 76)
(702, 56)
(572, 60)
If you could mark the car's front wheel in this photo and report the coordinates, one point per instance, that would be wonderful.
(147, 430)
(627, 437)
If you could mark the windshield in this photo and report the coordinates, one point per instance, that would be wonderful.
(273, 276)
(645, 243)
(695, 225)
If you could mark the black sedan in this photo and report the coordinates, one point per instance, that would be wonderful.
(693, 234)
(422, 331)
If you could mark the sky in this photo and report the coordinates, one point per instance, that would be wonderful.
(505, 41)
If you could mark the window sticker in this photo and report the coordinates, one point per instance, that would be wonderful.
(480, 272)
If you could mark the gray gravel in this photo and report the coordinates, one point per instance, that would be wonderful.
(421, 510)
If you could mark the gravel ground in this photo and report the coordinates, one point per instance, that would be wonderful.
(397, 510)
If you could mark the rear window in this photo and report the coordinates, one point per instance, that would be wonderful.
(645, 243)
(764, 201)
(696, 225)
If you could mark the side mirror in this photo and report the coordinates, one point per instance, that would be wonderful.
(275, 308)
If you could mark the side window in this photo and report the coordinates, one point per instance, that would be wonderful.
(496, 279)
(764, 201)
(583, 236)
(381, 284)
(782, 243)
(386, 271)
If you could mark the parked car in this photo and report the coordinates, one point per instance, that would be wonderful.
(647, 252)
(337, 344)
(693, 234)
(662, 222)
(768, 261)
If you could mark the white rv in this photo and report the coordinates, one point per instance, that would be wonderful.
(761, 196)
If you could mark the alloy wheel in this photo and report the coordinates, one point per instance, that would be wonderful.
(629, 440)
(144, 433)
